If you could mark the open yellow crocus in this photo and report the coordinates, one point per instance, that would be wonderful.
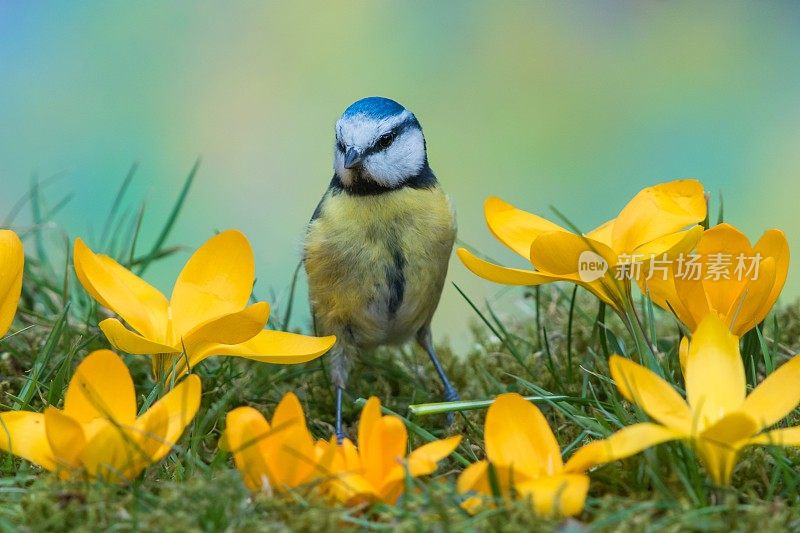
(12, 261)
(717, 418)
(376, 470)
(271, 456)
(731, 278)
(652, 224)
(97, 434)
(525, 457)
(208, 313)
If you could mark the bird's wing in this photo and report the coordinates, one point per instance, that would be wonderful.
(315, 216)
(318, 209)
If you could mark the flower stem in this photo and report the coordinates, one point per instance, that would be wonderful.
(645, 349)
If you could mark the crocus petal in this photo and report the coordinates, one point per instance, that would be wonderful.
(774, 244)
(624, 443)
(776, 396)
(326, 453)
(270, 346)
(472, 504)
(234, 328)
(603, 232)
(728, 241)
(683, 354)
(715, 381)
(217, 280)
(113, 454)
(392, 487)
(654, 395)
(135, 302)
(352, 488)
(128, 341)
(370, 415)
(691, 295)
(344, 479)
(514, 227)
(386, 450)
(657, 211)
(422, 461)
(101, 388)
(279, 455)
(475, 478)
(290, 452)
(151, 432)
(178, 406)
(155, 302)
(719, 445)
(22, 433)
(350, 455)
(778, 437)
(671, 245)
(66, 437)
(501, 274)
(12, 259)
(744, 313)
(518, 435)
(554, 496)
(559, 252)
(561, 255)
(661, 289)
(245, 431)
(730, 429)
(517, 276)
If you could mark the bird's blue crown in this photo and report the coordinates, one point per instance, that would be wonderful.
(375, 107)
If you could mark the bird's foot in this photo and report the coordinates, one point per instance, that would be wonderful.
(450, 395)
(339, 437)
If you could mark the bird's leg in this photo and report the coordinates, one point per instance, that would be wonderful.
(425, 339)
(339, 370)
(339, 432)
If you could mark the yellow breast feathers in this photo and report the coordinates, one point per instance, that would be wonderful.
(376, 264)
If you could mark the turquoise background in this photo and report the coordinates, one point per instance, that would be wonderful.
(572, 104)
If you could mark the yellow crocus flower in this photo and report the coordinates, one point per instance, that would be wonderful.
(271, 456)
(524, 456)
(375, 471)
(652, 224)
(717, 418)
(12, 261)
(726, 276)
(207, 314)
(97, 434)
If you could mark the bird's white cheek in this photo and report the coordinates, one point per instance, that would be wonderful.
(381, 169)
(403, 159)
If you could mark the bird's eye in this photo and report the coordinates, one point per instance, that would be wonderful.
(385, 141)
(340, 145)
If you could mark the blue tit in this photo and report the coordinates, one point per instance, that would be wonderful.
(378, 245)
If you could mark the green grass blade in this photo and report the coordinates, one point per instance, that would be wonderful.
(115, 205)
(42, 358)
(156, 250)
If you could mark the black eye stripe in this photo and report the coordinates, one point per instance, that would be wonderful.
(395, 132)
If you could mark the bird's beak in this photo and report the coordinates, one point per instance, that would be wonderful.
(352, 158)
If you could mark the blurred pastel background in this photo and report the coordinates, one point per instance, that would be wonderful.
(569, 104)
